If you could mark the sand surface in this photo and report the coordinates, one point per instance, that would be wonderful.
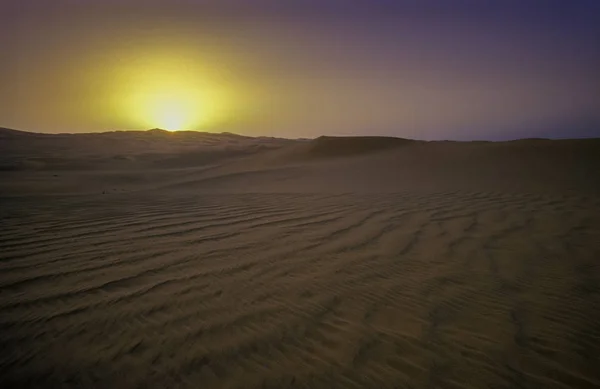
(137, 260)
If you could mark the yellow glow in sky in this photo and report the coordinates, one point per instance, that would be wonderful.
(171, 110)
(174, 94)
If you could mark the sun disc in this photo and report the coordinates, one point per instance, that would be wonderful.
(172, 113)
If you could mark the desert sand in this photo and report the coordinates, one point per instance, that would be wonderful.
(195, 260)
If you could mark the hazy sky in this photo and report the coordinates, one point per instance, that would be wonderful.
(447, 69)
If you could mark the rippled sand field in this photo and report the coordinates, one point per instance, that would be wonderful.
(456, 289)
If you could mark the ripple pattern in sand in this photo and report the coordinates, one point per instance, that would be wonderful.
(444, 290)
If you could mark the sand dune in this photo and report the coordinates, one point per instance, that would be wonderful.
(422, 265)
(329, 146)
(120, 149)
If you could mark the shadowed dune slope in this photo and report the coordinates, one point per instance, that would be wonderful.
(330, 146)
(530, 166)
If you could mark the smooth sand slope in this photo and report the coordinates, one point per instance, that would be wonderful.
(333, 263)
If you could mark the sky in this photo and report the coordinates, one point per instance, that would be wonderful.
(423, 69)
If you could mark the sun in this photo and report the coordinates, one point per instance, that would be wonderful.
(173, 112)
(170, 107)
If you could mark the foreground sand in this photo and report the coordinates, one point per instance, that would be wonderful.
(452, 282)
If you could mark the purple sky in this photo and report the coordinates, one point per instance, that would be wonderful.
(478, 69)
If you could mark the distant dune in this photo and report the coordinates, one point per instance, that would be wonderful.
(157, 259)
(208, 162)
(23, 150)
(329, 146)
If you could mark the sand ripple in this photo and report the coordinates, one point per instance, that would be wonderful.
(443, 290)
